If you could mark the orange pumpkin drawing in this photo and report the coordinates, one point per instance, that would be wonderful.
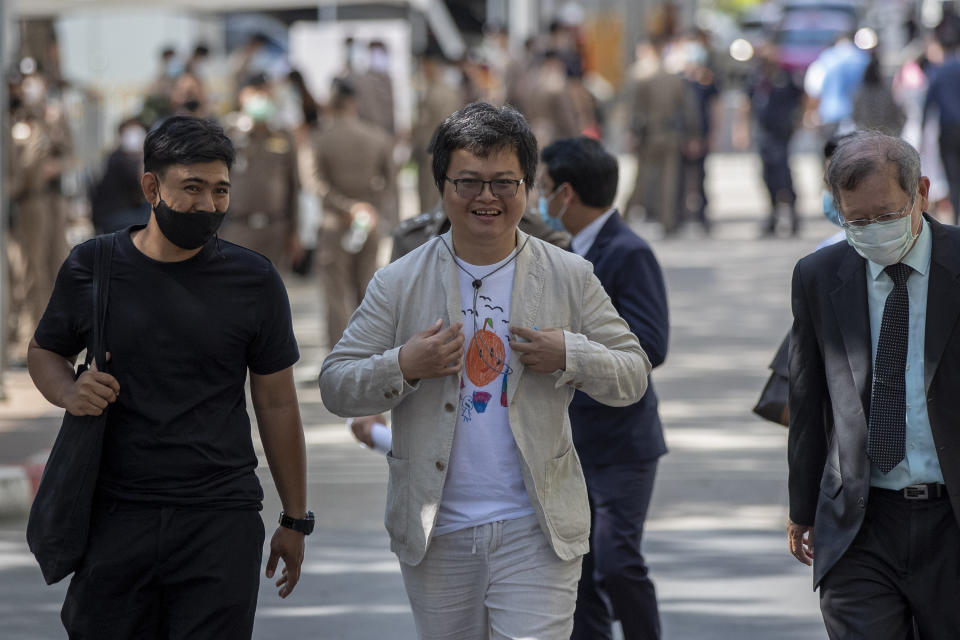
(485, 356)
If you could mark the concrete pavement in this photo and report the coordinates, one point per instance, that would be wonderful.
(715, 538)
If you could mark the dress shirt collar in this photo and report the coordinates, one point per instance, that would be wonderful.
(918, 258)
(584, 239)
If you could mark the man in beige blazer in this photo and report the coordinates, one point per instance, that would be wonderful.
(476, 341)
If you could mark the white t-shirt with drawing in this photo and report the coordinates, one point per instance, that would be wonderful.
(484, 481)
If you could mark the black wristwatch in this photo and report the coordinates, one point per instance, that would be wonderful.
(304, 525)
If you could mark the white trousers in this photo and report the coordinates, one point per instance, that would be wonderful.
(499, 581)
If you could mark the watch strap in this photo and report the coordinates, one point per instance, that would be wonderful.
(303, 525)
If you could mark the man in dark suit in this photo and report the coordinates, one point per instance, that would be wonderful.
(874, 418)
(618, 446)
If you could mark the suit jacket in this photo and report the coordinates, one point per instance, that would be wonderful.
(830, 382)
(552, 288)
(631, 276)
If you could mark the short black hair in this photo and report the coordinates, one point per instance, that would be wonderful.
(186, 140)
(482, 129)
(583, 163)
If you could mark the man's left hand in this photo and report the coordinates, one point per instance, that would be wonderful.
(800, 539)
(287, 544)
(544, 351)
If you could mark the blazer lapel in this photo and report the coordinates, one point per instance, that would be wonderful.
(451, 282)
(607, 232)
(853, 320)
(943, 299)
(528, 280)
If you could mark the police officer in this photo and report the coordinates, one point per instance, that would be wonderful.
(357, 178)
(263, 206)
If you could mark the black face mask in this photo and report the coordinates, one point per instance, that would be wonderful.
(187, 230)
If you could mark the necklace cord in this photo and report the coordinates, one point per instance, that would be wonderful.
(482, 348)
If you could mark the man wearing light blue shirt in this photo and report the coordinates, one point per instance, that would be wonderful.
(920, 464)
(874, 406)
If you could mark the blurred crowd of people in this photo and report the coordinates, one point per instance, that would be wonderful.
(298, 156)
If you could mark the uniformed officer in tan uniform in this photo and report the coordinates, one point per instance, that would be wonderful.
(374, 87)
(552, 107)
(437, 101)
(357, 178)
(265, 180)
(664, 121)
(40, 147)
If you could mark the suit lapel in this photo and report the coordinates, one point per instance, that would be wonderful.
(528, 283)
(607, 232)
(852, 312)
(943, 299)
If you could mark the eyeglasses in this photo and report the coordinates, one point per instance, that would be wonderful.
(469, 188)
(860, 223)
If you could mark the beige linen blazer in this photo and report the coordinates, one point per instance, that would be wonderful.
(551, 288)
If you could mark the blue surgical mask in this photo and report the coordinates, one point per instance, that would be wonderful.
(830, 208)
(543, 205)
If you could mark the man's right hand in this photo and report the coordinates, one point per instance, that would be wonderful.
(432, 353)
(800, 537)
(91, 393)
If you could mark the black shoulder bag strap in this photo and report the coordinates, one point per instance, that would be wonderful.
(101, 294)
(60, 515)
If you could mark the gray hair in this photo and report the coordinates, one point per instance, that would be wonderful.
(866, 153)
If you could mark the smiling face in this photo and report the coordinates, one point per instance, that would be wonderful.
(484, 227)
(204, 186)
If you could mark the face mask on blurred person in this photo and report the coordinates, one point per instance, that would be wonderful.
(543, 205)
(830, 208)
(883, 242)
(131, 139)
(697, 54)
(259, 107)
(34, 90)
(187, 230)
(379, 60)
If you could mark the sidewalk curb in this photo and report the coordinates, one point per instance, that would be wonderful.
(18, 485)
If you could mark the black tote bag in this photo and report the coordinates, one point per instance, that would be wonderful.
(60, 515)
(772, 404)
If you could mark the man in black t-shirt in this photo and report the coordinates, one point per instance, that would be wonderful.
(175, 538)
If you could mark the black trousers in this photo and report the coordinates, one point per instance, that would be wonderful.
(613, 582)
(902, 568)
(166, 573)
(774, 150)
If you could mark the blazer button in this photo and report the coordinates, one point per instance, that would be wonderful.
(861, 502)
(448, 407)
(387, 395)
(440, 466)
